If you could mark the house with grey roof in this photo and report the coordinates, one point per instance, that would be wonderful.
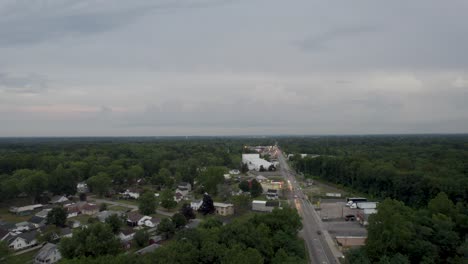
(48, 254)
(23, 240)
(37, 221)
(102, 216)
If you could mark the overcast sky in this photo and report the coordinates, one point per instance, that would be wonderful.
(232, 67)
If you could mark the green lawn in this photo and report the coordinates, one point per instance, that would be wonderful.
(23, 258)
(9, 217)
(130, 202)
(82, 218)
(118, 208)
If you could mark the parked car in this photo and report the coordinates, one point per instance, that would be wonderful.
(350, 217)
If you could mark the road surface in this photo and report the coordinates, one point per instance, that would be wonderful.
(318, 241)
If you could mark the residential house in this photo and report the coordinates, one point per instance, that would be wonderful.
(48, 254)
(126, 234)
(131, 194)
(25, 210)
(224, 209)
(185, 186)
(66, 232)
(133, 218)
(82, 187)
(178, 196)
(59, 199)
(102, 216)
(89, 209)
(38, 221)
(23, 240)
(148, 249)
(72, 210)
(234, 172)
(43, 213)
(149, 221)
(196, 204)
(23, 227)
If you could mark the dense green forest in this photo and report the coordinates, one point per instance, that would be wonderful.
(32, 166)
(423, 179)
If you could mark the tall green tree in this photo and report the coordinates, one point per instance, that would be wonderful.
(167, 199)
(141, 238)
(256, 189)
(95, 240)
(100, 183)
(211, 177)
(179, 220)
(166, 227)
(57, 216)
(147, 203)
(115, 222)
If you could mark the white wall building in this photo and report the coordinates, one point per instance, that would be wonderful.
(254, 162)
(48, 254)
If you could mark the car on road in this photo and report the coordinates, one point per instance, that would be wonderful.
(295, 196)
(319, 232)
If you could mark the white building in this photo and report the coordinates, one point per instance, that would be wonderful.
(264, 206)
(224, 209)
(23, 240)
(196, 204)
(48, 254)
(254, 162)
(131, 194)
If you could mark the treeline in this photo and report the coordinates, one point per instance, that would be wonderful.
(268, 238)
(422, 180)
(410, 169)
(31, 167)
(399, 234)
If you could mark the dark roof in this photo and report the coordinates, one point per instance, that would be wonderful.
(37, 220)
(134, 216)
(272, 203)
(89, 207)
(148, 249)
(127, 231)
(272, 191)
(46, 251)
(7, 226)
(28, 236)
(3, 232)
(65, 231)
(184, 184)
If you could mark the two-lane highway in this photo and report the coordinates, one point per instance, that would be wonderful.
(313, 231)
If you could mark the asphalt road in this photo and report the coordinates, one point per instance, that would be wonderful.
(316, 237)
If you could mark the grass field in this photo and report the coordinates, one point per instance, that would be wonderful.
(23, 258)
(9, 217)
(118, 208)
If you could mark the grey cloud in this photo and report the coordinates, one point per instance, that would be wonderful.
(29, 83)
(319, 42)
(26, 22)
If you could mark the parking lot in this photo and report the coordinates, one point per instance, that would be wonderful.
(333, 212)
